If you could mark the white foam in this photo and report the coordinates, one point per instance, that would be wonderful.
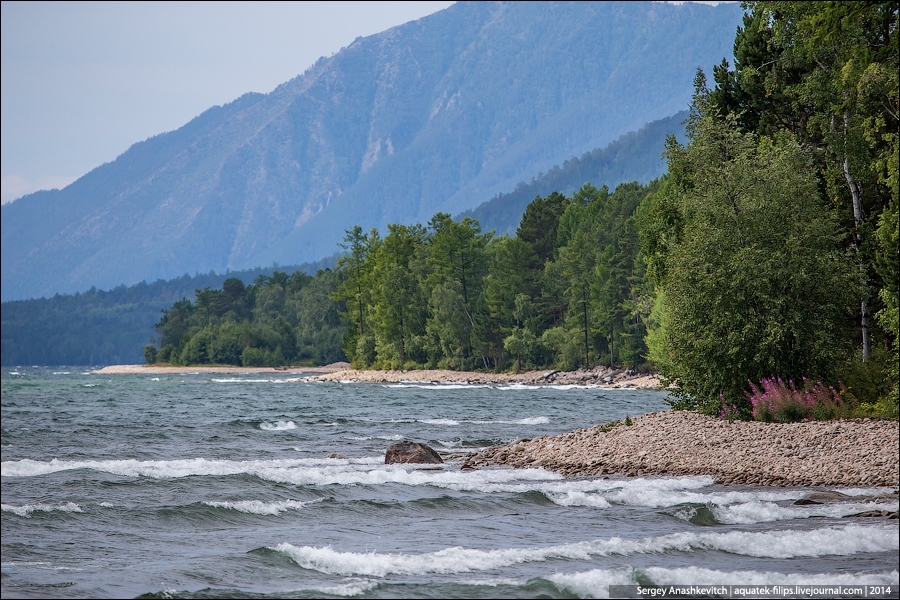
(594, 583)
(525, 421)
(439, 422)
(258, 507)
(763, 512)
(240, 380)
(28, 509)
(154, 379)
(90, 385)
(390, 438)
(346, 590)
(62, 372)
(840, 541)
(278, 426)
(438, 386)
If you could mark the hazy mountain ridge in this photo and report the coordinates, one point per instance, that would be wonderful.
(636, 156)
(437, 114)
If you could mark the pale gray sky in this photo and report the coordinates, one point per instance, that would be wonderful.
(83, 81)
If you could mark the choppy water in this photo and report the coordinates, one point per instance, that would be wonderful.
(203, 486)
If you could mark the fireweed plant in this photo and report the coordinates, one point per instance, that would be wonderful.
(774, 400)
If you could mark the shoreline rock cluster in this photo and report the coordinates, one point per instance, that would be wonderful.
(855, 452)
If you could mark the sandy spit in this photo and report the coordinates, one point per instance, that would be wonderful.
(156, 370)
(598, 376)
(854, 452)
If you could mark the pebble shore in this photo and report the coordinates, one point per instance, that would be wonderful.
(854, 452)
(599, 376)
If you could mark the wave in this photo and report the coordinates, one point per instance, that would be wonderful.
(594, 583)
(258, 507)
(525, 421)
(27, 510)
(833, 541)
(303, 471)
(689, 499)
(439, 422)
(243, 380)
(439, 386)
(346, 590)
(278, 426)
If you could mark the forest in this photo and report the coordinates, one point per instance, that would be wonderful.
(768, 251)
(445, 295)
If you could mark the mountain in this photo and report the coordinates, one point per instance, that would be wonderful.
(636, 156)
(436, 114)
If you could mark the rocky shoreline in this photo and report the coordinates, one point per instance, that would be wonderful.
(855, 452)
(599, 376)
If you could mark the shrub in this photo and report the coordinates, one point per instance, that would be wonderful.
(774, 400)
(150, 354)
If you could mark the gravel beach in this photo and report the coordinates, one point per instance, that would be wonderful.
(855, 452)
(599, 376)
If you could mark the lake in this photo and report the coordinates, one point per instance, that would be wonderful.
(210, 486)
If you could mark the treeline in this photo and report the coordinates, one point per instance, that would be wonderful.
(104, 326)
(277, 320)
(568, 290)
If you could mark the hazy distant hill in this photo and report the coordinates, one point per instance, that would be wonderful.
(437, 114)
(636, 156)
(106, 326)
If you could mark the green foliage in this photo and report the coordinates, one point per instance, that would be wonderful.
(150, 354)
(280, 319)
(452, 297)
(752, 254)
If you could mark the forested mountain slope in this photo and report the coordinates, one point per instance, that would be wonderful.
(437, 114)
(636, 156)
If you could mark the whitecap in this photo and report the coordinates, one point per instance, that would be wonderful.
(525, 421)
(833, 541)
(154, 379)
(28, 509)
(278, 426)
(62, 372)
(595, 583)
(258, 507)
(390, 438)
(346, 590)
(439, 386)
(439, 422)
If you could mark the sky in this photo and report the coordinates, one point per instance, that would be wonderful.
(83, 81)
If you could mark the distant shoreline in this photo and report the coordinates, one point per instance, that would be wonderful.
(599, 376)
(214, 370)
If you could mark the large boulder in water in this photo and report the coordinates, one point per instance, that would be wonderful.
(411, 452)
